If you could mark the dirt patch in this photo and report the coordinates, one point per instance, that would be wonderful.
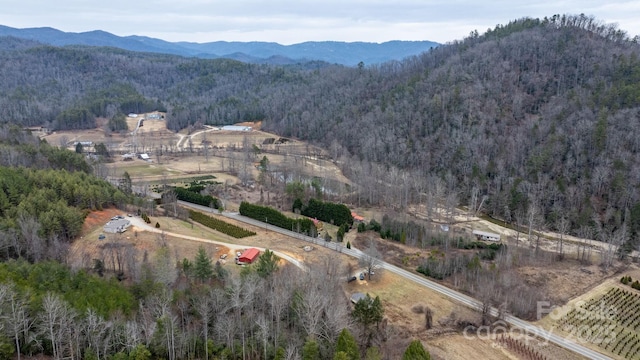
(97, 219)
(564, 280)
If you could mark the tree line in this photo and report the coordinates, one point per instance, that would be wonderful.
(272, 216)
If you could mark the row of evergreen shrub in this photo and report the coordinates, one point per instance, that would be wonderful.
(196, 198)
(627, 280)
(219, 225)
(274, 217)
(332, 213)
(145, 217)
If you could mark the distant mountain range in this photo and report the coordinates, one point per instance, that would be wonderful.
(345, 53)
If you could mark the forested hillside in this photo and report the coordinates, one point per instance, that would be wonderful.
(44, 195)
(537, 117)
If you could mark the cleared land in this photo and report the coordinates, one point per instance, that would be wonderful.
(606, 319)
(398, 295)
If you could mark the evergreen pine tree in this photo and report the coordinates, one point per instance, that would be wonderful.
(202, 266)
(310, 350)
(347, 344)
(415, 351)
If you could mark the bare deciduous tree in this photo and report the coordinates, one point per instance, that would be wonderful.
(428, 317)
(371, 259)
(56, 323)
(14, 316)
(203, 306)
(563, 225)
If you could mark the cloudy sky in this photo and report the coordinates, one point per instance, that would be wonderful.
(288, 21)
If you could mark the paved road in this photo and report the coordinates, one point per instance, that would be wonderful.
(457, 296)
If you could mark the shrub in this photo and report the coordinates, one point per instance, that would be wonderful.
(276, 218)
(157, 225)
(337, 214)
(219, 225)
(344, 228)
(195, 197)
(374, 225)
(418, 308)
(145, 217)
(297, 204)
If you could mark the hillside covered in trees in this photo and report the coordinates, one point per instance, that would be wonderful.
(536, 117)
(45, 193)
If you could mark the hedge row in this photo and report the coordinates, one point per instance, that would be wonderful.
(274, 217)
(219, 225)
(195, 198)
(332, 213)
(145, 217)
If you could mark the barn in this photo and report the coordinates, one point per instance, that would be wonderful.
(249, 256)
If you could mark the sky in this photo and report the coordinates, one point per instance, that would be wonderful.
(289, 21)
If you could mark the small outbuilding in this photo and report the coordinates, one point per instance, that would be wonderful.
(486, 236)
(236, 128)
(357, 297)
(249, 256)
(356, 217)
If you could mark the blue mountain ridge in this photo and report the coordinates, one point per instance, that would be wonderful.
(345, 53)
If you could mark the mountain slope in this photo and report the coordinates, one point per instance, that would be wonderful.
(538, 116)
(258, 52)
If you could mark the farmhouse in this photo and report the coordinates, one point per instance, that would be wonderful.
(248, 256)
(487, 236)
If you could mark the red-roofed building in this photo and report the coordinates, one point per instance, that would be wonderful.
(249, 256)
(356, 217)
